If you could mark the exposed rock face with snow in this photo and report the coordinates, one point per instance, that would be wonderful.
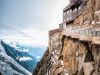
(51, 55)
(71, 57)
(23, 58)
(15, 62)
(74, 48)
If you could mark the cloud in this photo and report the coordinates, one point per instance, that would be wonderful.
(25, 58)
(38, 57)
(25, 50)
(34, 38)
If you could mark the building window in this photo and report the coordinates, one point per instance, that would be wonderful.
(68, 11)
(89, 31)
(98, 33)
(79, 8)
(70, 18)
(64, 20)
(67, 19)
(64, 13)
(94, 33)
(77, 30)
(82, 32)
(75, 10)
(85, 32)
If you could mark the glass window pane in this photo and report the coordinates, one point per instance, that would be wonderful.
(98, 33)
(86, 32)
(90, 31)
(94, 33)
(81, 32)
(64, 13)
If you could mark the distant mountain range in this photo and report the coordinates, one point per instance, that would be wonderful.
(23, 58)
(36, 52)
(16, 60)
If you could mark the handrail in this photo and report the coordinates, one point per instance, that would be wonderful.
(77, 32)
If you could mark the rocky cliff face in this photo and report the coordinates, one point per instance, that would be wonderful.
(49, 61)
(68, 54)
(69, 57)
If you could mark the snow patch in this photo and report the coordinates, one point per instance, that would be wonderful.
(10, 60)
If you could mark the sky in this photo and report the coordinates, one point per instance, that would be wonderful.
(29, 21)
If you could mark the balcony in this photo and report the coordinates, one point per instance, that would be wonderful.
(96, 35)
(68, 31)
(75, 32)
(86, 33)
(96, 28)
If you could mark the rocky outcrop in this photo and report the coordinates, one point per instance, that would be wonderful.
(49, 61)
(70, 57)
(71, 49)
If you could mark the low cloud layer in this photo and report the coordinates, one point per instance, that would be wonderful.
(25, 58)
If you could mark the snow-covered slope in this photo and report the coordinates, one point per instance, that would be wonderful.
(2, 49)
(6, 69)
(22, 57)
(13, 64)
(9, 66)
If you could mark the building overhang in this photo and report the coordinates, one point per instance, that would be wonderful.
(85, 38)
(96, 40)
(75, 36)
